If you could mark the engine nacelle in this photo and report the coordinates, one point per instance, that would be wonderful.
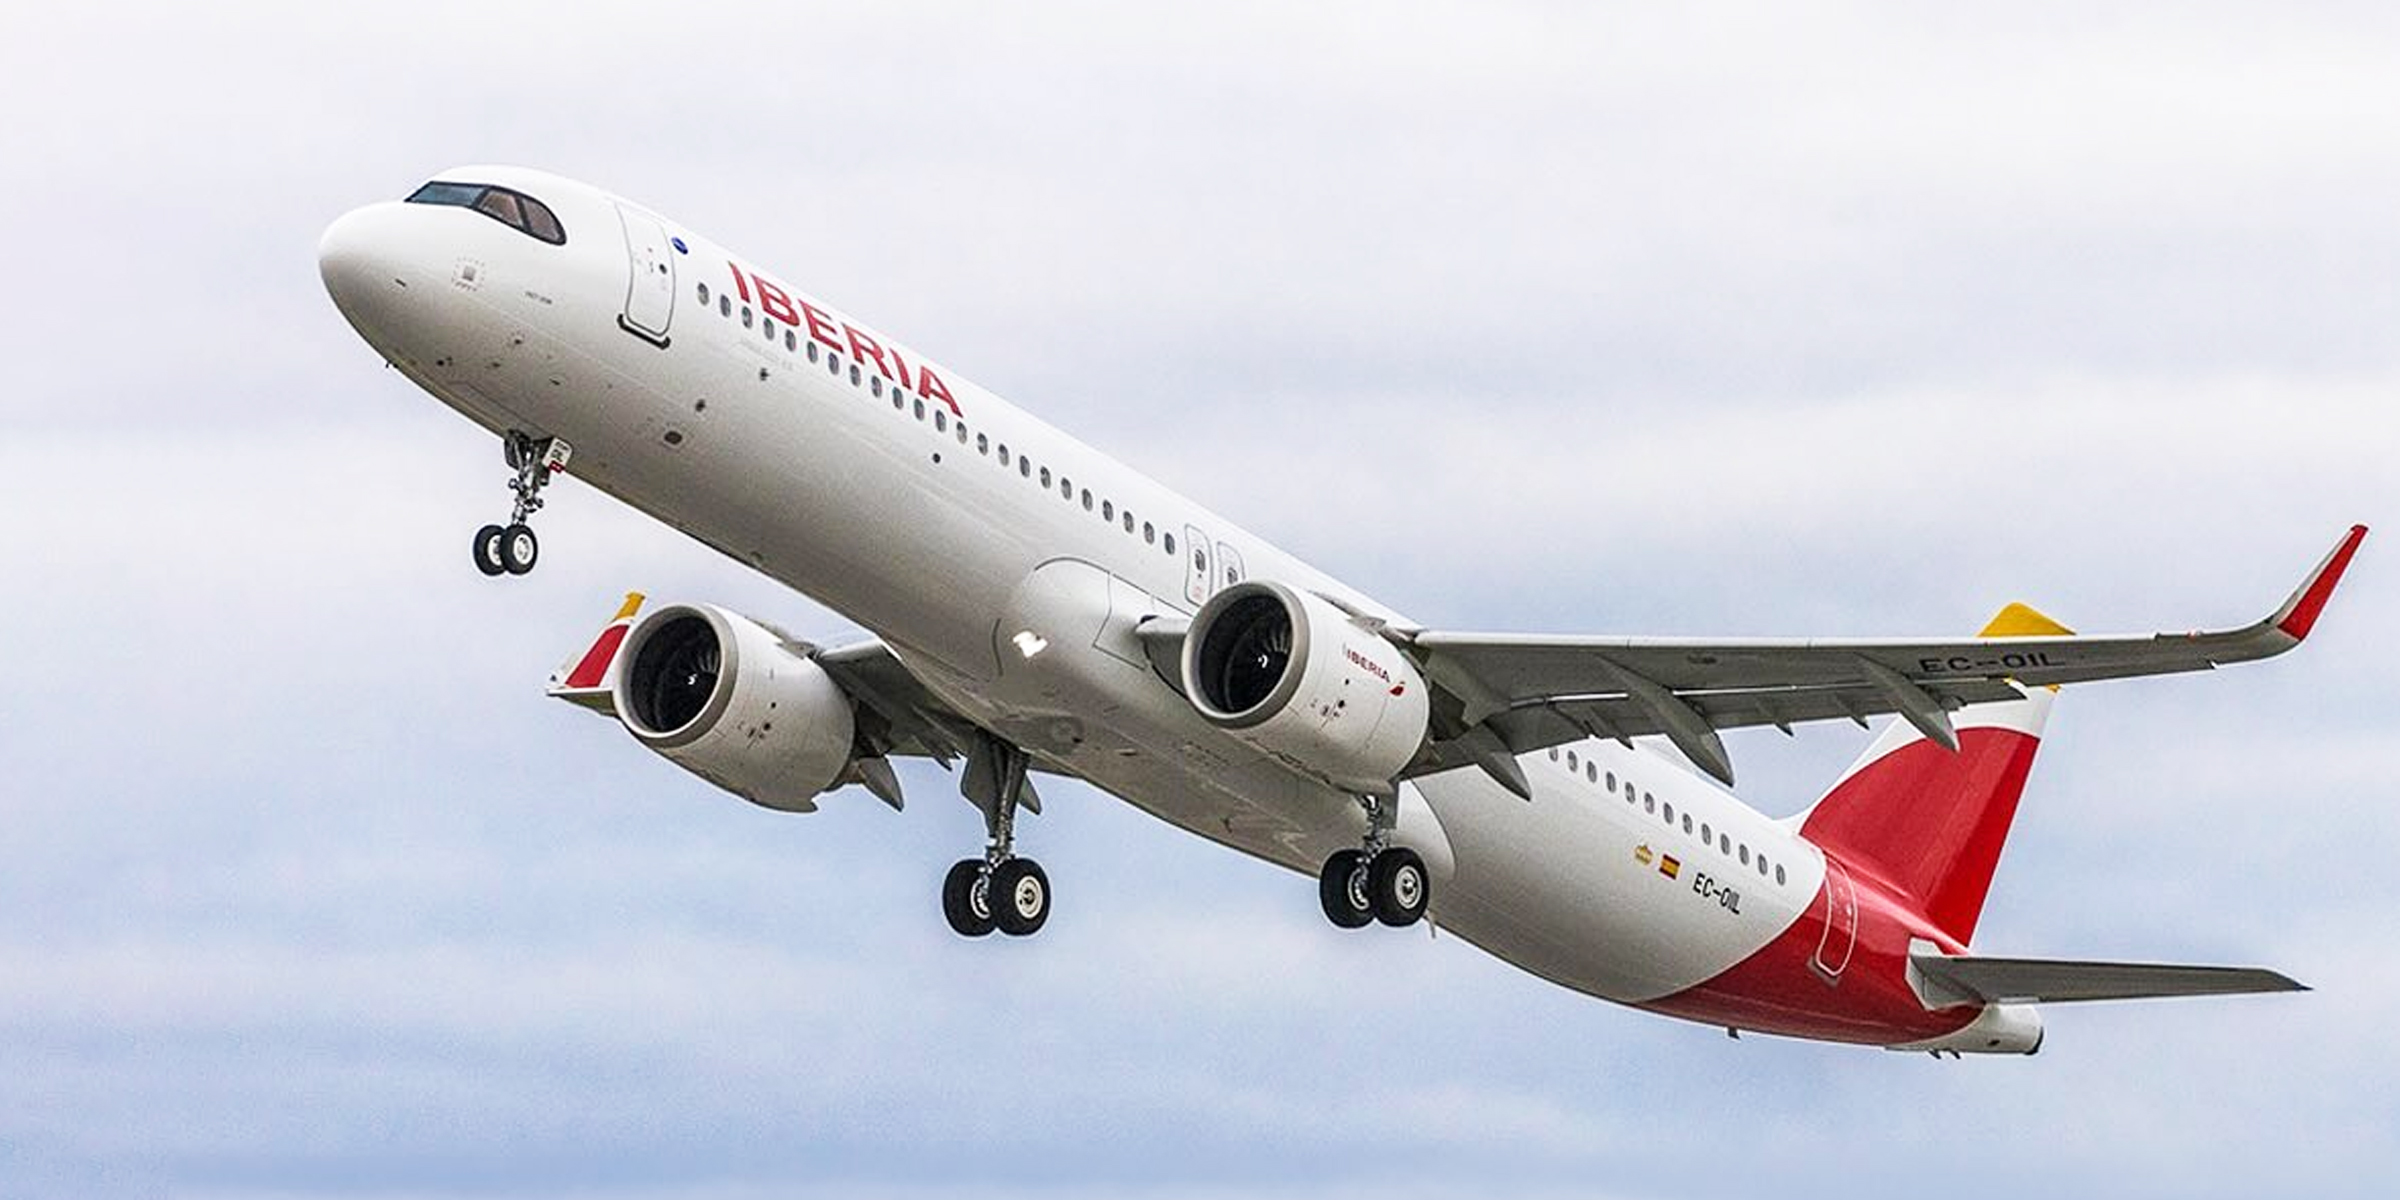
(730, 701)
(1292, 675)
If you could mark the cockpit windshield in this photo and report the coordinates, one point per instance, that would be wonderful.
(516, 210)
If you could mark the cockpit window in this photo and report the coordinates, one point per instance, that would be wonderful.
(516, 210)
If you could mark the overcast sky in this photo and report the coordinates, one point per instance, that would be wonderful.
(1568, 317)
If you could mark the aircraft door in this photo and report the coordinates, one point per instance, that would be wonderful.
(650, 283)
(1198, 567)
(1229, 565)
(1841, 924)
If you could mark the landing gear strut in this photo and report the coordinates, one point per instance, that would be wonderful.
(1000, 890)
(512, 549)
(1379, 881)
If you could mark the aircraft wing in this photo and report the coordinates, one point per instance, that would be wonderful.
(1534, 692)
(1944, 980)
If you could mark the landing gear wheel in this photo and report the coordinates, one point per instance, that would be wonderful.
(966, 899)
(487, 550)
(1397, 887)
(1020, 896)
(519, 549)
(1342, 889)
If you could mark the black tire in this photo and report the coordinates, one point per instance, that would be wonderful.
(1020, 897)
(1341, 889)
(487, 549)
(1398, 887)
(963, 899)
(519, 549)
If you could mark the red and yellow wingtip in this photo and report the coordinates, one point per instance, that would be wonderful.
(591, 670)
(2299, 614)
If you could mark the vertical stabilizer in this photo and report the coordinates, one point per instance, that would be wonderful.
(1930, 821)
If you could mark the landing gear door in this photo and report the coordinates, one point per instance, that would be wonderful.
(1199, 566)
(650, 282)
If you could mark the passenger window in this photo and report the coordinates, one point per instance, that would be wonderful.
(1612, 781)
(833, 362)
(745, 316)
(983, 445)
(1553, 754)
(1591, 771)
(791, 343)
(1687, 822)
(1762, 866)
(1628, 791)
(1004, 454)
(1108, 511)
(1705, 835)
(724, 305)
(1779, 872)
(853, 374)
(1573, 763)
(920, 408)
(1725, 843)
(875, 386)
(1127, 520)
(1649, 803)
(1066, 488)
(941, 420)
(1169, 542)
(1669, 811)
(962, 433)
(1745, 854)
(704, 295)
(1149, 533)
(812, 350)
(1045, 476)
(1087, 499)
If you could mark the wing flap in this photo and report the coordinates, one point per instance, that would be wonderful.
(1946, 980)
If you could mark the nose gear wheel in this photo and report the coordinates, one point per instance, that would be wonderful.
(512, 549)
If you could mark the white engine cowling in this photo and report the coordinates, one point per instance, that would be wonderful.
(1290, 674)
(730, 701)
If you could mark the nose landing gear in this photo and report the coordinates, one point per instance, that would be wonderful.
(1379, 882)
(512, 549)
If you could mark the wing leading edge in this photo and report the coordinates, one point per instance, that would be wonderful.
(1534, 692)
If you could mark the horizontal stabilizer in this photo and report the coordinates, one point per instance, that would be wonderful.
(1944, 980)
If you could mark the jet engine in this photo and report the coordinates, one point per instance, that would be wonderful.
(734, 702)
(1293, 676)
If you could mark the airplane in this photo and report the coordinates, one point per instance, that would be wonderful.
(1039, 608)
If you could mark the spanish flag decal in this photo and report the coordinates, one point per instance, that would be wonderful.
(1668, 867)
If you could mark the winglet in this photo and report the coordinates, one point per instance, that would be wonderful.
(2299, 614)
(586, 678)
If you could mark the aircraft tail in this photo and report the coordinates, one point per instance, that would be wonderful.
(1930, 821)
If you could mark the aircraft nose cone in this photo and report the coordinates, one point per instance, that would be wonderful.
(362, 262)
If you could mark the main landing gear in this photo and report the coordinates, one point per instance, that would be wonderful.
(512, 549)
(1379, 881)
(1000, 890)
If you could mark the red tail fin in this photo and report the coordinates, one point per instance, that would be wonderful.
(1931, 822)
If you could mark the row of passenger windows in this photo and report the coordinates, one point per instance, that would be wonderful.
(1722, 842)
(794, 342)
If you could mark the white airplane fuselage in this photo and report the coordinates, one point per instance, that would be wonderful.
(717, 397)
